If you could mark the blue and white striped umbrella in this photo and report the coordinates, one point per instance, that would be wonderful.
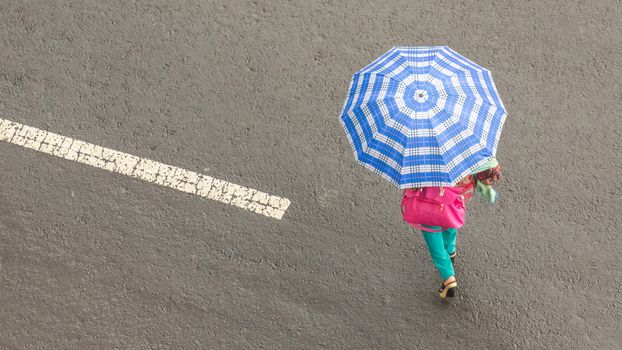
(423, 116)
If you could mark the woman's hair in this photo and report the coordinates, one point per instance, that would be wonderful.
(489, 176)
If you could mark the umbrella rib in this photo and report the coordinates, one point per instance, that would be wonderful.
(432, 61)
(479, 142)
(385, 76)
(484, 103)
(435, 142)
(462, 65)
(412, 70)
(374, 141)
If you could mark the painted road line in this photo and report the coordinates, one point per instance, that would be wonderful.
(144, 169)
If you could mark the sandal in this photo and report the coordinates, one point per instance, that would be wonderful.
(452, 256)
(448, 290)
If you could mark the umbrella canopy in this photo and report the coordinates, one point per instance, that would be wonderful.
(423, 116)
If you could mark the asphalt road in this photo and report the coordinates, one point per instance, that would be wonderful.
(250, 92)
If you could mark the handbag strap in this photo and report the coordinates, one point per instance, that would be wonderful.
(427, 229)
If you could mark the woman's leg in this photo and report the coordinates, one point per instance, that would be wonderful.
(439, 254)
(449, 239)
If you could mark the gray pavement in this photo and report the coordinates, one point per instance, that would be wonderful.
(250, 92)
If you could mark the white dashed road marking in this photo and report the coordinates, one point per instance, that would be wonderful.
(144, 169)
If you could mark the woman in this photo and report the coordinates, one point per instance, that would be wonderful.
(442, 245)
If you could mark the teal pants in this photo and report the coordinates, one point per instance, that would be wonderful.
(441, 245)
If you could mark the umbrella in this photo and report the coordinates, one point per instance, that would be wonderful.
(423, 116)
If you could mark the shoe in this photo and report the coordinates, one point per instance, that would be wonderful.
(452, 256)
(448, 290)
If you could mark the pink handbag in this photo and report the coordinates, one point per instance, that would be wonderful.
(434, 206)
